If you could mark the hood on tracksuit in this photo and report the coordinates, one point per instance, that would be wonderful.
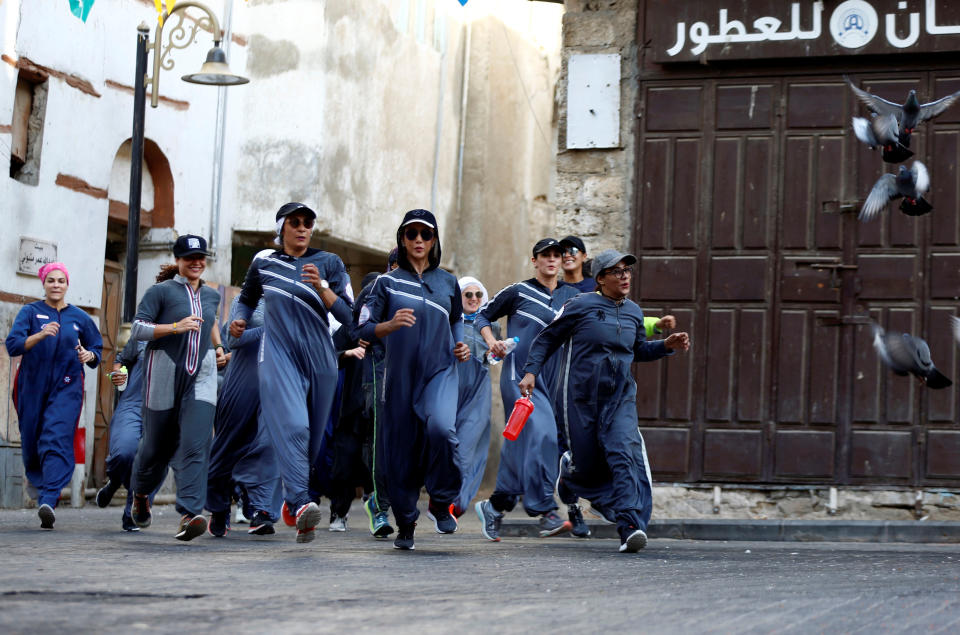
(427, 218)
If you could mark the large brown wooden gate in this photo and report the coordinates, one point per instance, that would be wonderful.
(748, 190)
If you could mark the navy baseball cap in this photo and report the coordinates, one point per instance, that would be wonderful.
(293, 208)
(188, 245)
(546, 243)
(573, 241)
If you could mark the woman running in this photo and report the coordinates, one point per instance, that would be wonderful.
(416, 312)
(604, 334)
(298, 364)
(473, 405)
(528, 466)
(54, 340)
(177, 319)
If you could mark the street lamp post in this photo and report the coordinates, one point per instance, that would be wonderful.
(214, 72)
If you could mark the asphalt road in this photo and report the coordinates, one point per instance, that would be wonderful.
(87, 575)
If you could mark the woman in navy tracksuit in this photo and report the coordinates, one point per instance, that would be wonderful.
(416, 312)
(298, 363)
(596, 396)
(55, 340)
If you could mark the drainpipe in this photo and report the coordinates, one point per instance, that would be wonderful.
(436, 147)
(216, 188)
(463, 119)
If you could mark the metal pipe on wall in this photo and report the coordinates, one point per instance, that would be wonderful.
(464, 98)
(220, 131)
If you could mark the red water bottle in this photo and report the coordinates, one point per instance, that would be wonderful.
(522, 409)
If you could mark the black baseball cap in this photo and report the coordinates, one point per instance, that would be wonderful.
(545, 243)
(293, 208)
(573, 241)
(188, 245)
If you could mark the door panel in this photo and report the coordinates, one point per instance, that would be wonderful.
(109, 327)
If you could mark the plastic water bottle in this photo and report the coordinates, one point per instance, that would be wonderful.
(511, 344)
(123, 386)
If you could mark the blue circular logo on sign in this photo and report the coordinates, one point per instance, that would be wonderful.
(854, 23)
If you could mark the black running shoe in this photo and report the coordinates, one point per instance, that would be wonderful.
(404, 539)
(140, 512)
(105, 493)
(47, 517)
(632, 539)
(443, 521)
(578, 527)
(219, 524)
(261, 525)
(127, 523)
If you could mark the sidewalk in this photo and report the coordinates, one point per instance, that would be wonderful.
(771, 530)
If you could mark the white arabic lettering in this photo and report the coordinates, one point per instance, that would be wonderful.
(767, 29)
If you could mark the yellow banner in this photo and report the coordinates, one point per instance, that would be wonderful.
(159, 7)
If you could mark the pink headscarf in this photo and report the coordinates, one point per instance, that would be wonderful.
(53, 266)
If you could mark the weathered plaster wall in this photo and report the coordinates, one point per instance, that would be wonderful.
(595, 188)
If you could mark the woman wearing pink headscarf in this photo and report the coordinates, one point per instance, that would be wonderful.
(54, 340)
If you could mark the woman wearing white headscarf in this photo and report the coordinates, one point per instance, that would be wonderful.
(473, 406)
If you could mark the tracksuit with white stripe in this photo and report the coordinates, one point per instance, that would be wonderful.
(420, 385)
(298, 363)
(180, 391)
(528, 466)
(48, 392)
(242, 453)
(595, 397)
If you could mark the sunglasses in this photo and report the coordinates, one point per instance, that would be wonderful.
(573, 251)
(412, 232)
(472, 294)
(295, 222)
(620, 272)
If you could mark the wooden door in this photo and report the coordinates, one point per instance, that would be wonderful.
(109, 328)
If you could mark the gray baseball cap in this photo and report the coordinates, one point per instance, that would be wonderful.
(609, 258)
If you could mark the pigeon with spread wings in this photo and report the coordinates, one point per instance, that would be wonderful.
(906, 355)
(906, 184)
(909, 114)
(882, 131)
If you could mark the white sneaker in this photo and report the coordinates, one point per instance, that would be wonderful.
(338, 523)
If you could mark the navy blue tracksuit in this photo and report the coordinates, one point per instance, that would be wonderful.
(528, 466)
(473, 412)
(420, 386)
(595, 397)
(48, 392)
(298, 363)
(242, 453)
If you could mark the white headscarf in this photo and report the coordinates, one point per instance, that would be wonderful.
(470, 281)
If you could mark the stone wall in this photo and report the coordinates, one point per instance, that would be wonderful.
(594, 188)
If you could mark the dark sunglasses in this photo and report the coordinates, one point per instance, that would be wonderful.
(573, 251)
(471, 294)
(412, 232)
(295, 222)
(620, 272)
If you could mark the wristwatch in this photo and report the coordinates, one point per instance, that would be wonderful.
(324, 284)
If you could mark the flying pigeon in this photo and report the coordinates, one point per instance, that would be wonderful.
(882, 131)
(906, 354)
(907, 184)
(909, 114)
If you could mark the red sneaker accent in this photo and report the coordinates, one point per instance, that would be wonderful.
(288, 518)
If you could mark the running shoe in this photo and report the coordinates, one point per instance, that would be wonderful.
(288, 518)
(379, 521)
(191, 526)
(308, 517)
(489, 520)
(141, 511)
(551, 524)
(455, 511)
(338, 523)
(261, 524)
(632, 539)
(404, 539)
(47, 517)
(578, 528)
(604, 515)
(105, 493)
(443, 521)
(219, 524)
(126, 522)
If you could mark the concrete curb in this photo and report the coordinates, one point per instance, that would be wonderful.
(773, 530)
